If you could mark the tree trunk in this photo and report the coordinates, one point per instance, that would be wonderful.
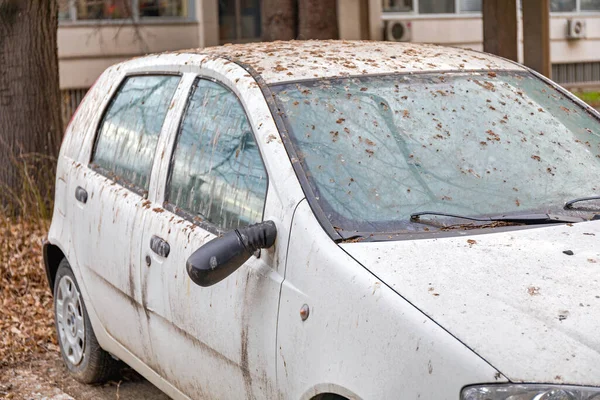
(279, 20)
(317, 19)
(30, 119)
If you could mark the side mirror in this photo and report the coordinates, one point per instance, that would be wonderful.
(222, 256)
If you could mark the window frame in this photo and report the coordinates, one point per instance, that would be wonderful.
(113, 95)
(181, 212)
(577, 12)
(238, 26)
(458, 12)
(134, 19)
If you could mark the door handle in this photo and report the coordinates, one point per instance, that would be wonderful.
(160, 246)
(81, 194)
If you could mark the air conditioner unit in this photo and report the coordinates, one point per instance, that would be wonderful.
(398, 31)
(576, 28)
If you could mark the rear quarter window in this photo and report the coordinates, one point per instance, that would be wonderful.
(129, 131)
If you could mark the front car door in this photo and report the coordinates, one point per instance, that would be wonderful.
(218, 341)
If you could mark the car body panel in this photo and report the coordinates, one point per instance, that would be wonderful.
(514, 297)
(374, 330)
(299, 60)
(360, 335)
(240, 364)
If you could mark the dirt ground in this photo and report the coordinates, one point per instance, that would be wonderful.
(30, 363)
(45, 377)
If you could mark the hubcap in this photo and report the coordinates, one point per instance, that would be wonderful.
(69, 320)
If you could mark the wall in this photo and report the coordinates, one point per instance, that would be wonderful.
(563, 50)
(85, 50)
(467, 31)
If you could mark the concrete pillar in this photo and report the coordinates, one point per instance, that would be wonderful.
(207, 14)
(500, 28)
(375, 22)
(536, 36)
(353, 19)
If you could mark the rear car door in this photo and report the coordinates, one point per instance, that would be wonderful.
(218, 341)
(109, 196)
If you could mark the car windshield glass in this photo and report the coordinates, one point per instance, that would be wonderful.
(378, 149)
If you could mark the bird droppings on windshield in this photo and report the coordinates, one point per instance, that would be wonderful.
(403, 150)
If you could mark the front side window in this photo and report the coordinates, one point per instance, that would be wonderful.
(129, 131)
(217, 173)
(378, 149)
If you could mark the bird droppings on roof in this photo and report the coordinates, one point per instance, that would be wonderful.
(299, 60)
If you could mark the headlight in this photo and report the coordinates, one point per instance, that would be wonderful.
(530, 392)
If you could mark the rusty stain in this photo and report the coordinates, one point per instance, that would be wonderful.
(304, 312)
(471, 242)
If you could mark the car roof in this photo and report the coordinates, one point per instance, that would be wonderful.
(282, 61)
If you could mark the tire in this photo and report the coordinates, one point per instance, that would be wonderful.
(81, 353)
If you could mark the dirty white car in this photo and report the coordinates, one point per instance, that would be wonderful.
(330, 220)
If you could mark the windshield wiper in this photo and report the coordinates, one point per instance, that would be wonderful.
(527, 219)
(569, 204)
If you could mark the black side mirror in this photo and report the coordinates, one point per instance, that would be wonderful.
(220, 257)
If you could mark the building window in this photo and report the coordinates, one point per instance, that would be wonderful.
(64, 10)
(437, 7)
(103, 9)
(397, 6)
(563, 5)
(470, 6)
(432, 6)
(162, 8)
(590, 5)
(239, 21)
(87, 10)
(574, 5)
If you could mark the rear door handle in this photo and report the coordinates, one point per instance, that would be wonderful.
(160, 246)
(81, 194)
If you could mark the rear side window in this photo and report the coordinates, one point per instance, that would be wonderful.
(129, 131)
(217, 173)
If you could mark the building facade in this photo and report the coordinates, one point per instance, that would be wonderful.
(575, 55)
(94, 34)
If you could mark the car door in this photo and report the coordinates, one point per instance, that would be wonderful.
(218, 341)
(109, 196)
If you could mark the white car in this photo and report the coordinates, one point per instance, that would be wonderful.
(330, 220)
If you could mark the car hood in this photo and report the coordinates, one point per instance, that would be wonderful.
(516, 298)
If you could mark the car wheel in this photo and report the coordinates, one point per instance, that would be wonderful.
(83, 357)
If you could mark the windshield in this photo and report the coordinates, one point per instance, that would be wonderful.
(378, 149)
